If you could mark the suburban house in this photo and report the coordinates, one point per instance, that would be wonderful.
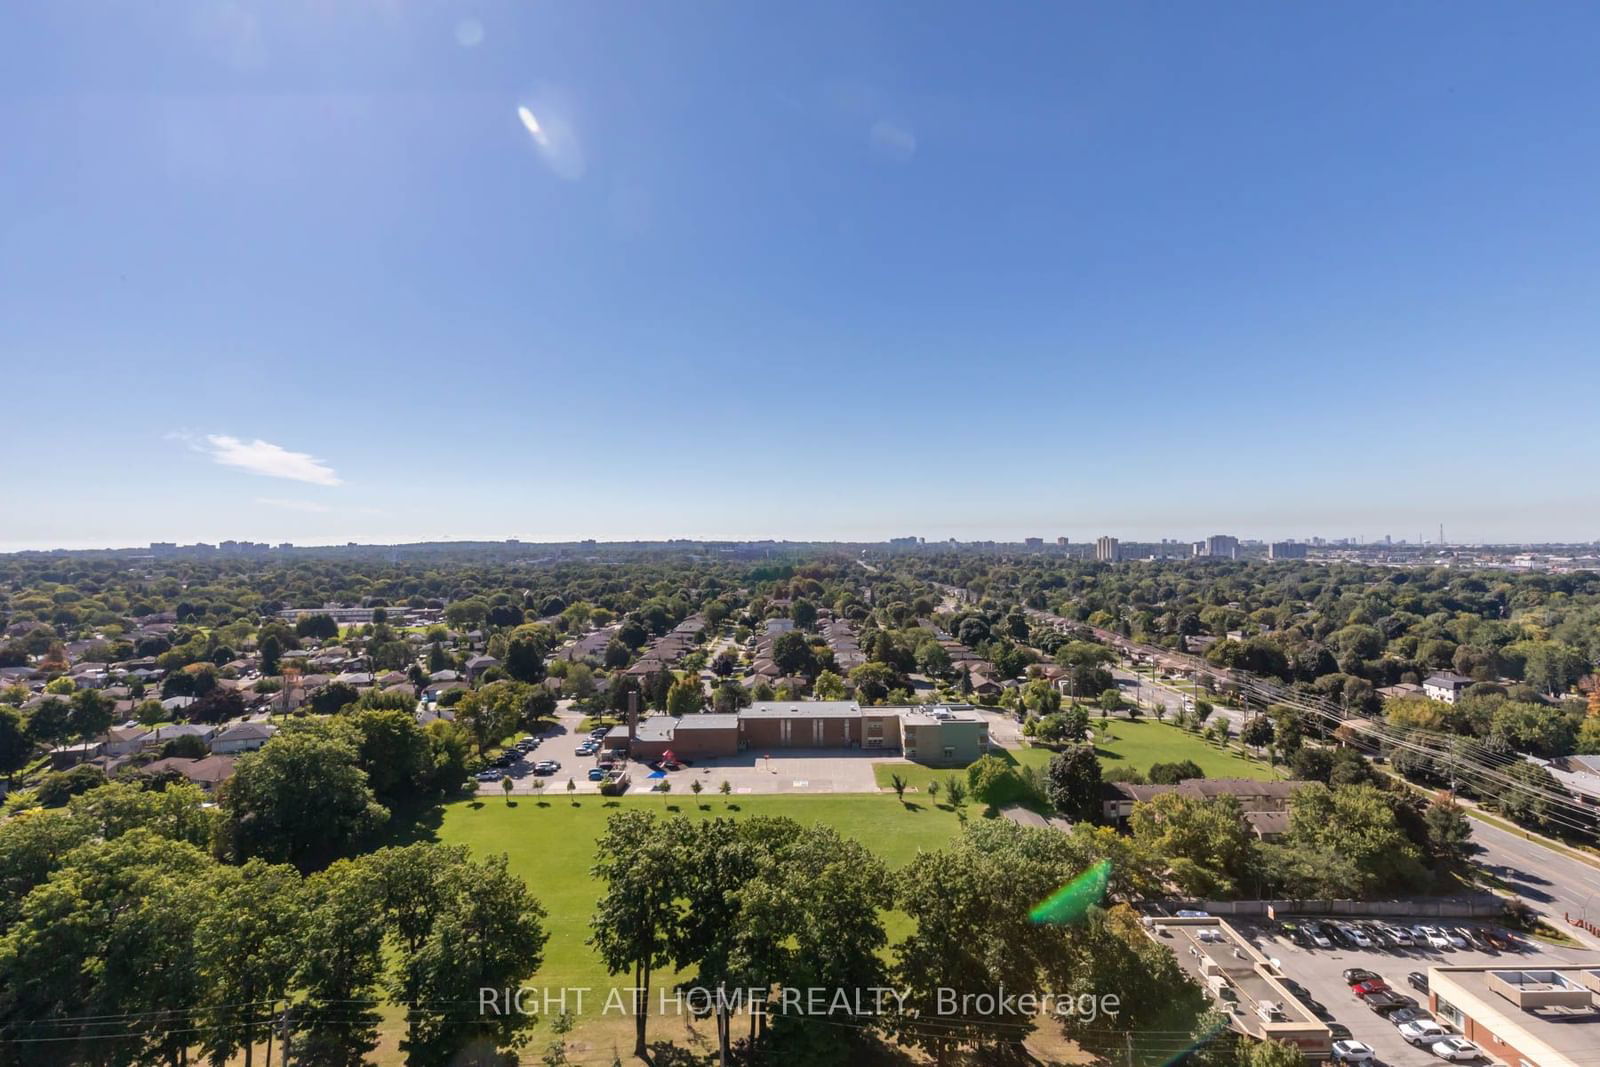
(435, 690)
(983, 685)
(162, 734)
(67, 756)
(242, 737)
(207, 772)
(126, 740)
(477, 665)
(1445, 685)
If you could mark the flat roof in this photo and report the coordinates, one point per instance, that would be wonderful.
(816, 709)
(709, 721)
(1545, 1036)
(917, 717)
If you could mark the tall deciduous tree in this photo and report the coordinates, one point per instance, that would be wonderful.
(638, 918)
(1072, 783)
(340, 968)
(248, 942)
(455, 927)
(302, 799)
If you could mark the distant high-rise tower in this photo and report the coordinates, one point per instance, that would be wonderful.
(1107, 550)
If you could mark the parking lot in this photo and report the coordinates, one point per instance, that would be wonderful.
(1320, 972)
(783, 771)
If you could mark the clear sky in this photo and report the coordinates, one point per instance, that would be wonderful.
(380, 270)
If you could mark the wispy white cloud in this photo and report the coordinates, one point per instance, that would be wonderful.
(292, 505)
(264, 458)
(893, 140)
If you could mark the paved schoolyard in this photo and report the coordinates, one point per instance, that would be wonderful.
(793, 770)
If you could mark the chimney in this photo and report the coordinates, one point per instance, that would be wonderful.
(633, 718)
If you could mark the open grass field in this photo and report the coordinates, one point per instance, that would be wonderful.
(1119, 743)
(551, 844)
(1141, 742)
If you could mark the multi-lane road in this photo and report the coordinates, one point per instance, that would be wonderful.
(1551, 881)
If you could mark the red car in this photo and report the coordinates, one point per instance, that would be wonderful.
(1376, 985)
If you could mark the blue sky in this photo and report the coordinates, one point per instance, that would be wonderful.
(300, 270)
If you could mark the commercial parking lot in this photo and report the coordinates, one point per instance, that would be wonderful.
(1320, 972)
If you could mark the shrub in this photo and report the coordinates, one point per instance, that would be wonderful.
(1173, 773)
(992, 781)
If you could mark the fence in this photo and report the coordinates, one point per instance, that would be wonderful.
(1473, 906)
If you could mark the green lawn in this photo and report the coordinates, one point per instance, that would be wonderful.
(1119, 743)
(1141, 742)
(551, 844)
(917, 775)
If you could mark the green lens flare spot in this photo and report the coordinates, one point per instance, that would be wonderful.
(1072, 902)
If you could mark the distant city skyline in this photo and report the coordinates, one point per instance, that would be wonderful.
(395, 272)
(1050, 540)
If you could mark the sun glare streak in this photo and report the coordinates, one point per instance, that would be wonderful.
(531, 124)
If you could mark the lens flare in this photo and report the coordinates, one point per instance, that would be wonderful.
(1072, 902)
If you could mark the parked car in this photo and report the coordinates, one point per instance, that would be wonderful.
(1409, 1015)
(1418, 981)
(596, 774)
(1375, 985)
(1455, 938)
(1319, 937)
(1339, 1031)
(1384, 1001)
(1456, 1050)
(546, 766)
(1356, 936)
(1422, 1032)
(1352, 1052)
(1354, 975)
(490, 776)
(1436, 938)
(1402, 936)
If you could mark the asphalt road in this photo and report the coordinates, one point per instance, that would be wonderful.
(1549, 881)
